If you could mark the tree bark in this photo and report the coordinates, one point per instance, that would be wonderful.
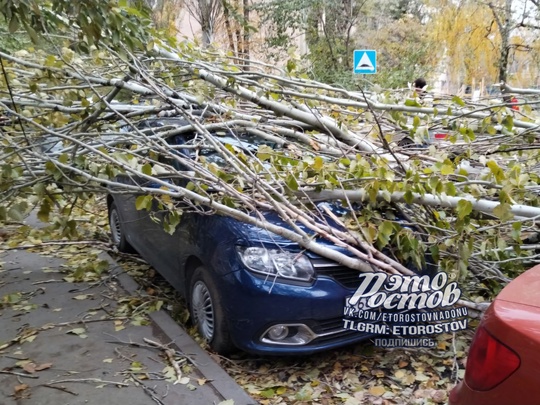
(246, 35)
(228, 27)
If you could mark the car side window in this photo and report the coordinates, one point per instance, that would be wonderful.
(176, 143)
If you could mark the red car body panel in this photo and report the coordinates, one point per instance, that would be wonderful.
(513, 319)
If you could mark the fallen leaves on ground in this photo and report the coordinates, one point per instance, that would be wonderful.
(358, 374)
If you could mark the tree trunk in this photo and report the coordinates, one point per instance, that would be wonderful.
(246, 34)
(228, 27)
(504, 21)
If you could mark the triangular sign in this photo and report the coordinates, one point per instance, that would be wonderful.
(365, 63)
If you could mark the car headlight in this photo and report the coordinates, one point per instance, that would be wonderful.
(278, 263)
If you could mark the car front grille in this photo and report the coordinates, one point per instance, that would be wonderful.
(329, 325)
(331, 330)
(342, 274)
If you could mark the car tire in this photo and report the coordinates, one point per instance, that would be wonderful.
(117, 231)
(207, 313)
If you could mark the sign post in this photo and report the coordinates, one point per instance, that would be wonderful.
(365, 61)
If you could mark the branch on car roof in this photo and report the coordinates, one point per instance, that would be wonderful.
(482, 205)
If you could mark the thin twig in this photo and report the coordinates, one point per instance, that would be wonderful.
(18, 374)
(90, 380)
(59, 243)
(147, 390)
(60, 389)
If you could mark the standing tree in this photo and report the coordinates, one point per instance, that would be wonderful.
(473, 34)
(207, 14)
(405, 49)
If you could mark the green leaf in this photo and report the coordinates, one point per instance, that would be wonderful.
(172, 222)
(508, 122)
(291, 65)
(503, 212)
(44, 211)
(229, 202)
(143, 202)
(63, 158)
(13, 24)
(447, 168)
(412, 103)
(386, 229)
(408, 197)
(498, 173)
(291, 182)
(147, 169)
(451, 189)
(269, 393)
(318, 164)
(458, 100)
(16, 213)
(516, 231)
(464, 208)
(264, 152)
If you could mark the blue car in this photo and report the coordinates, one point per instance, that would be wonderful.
(246, 287)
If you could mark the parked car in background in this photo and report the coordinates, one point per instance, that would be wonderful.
(504, 357)
(246, 287)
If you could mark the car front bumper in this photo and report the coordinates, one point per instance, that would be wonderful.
(254, 304)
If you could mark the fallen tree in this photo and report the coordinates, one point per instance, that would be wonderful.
(72, 123)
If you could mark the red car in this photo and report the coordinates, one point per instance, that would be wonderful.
(503, 366)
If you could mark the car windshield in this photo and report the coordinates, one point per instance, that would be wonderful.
(200, 146)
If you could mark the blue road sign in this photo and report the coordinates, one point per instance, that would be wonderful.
(365, 61)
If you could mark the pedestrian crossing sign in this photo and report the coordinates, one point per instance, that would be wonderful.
(365, 61)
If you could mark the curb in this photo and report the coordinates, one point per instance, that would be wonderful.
(222, 383)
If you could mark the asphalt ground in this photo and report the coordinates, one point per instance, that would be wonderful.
(64, 343)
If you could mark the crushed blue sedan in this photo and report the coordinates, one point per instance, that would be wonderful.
(246, 287)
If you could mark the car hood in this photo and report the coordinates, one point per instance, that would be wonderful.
(524, 289)
(252, 234)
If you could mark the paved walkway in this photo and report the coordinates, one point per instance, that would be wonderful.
(60, 344)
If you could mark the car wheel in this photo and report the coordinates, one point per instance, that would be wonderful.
(117, 232)
(207, 314)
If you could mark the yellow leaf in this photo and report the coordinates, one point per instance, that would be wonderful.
(377, 390)
(21, 387)
(447, 169)
(29, 338)
(408, 380)
(83, 297)
(442, 345)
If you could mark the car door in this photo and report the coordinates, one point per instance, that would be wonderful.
(161, 243)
